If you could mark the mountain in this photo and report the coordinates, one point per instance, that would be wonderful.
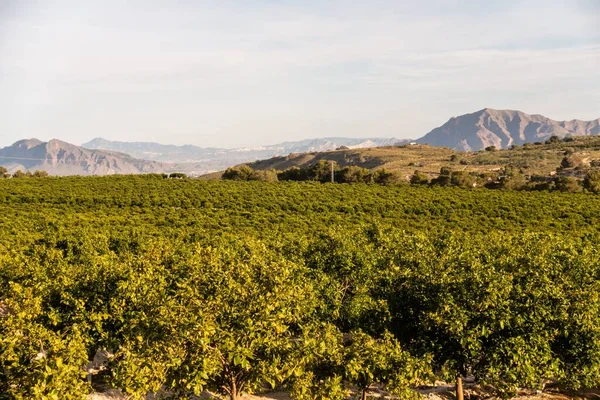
(503, 128)
(199, 160)
(61, 158)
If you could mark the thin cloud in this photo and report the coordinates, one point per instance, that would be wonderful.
(263, 70)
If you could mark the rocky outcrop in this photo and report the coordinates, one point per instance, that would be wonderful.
(502, 129)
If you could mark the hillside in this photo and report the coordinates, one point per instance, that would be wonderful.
(534, 159)
(198, 160)
(61, 158)
(502, 129)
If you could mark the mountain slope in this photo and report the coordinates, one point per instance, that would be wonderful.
(61, 158)
(203, 160)
(503, 128)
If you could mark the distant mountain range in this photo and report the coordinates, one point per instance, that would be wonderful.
(200, 160)
(502, 129)
(61, 158)
(469, 132)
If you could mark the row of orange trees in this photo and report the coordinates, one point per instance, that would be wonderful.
(318, 289)
(344, 310)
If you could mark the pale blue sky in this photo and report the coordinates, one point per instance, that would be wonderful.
(236, 73)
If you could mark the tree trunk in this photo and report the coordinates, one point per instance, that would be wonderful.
(233, 393)
(363, 395)
(459, 389)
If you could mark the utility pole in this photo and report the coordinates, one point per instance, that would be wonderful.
(332, 174)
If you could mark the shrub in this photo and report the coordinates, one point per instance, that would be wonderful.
(385, 177)
(463, 179)
(553, 139)
(353, 174)
(591, 182)
(239, 173)
(419, 178)
(570, 161)
(443, 178)
(292, 174)
(568, 184)
(269, 175)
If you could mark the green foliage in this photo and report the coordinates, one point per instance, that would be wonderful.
(553, 139)
(444, 178)
(241, 173)
(419, 178)
(293, 174)
(463, 179)
(512, 179)
(239, 287)
(570, 161)
(568, 184)
(354, 174)
(321, 172)
(503, 312)
(19, 174)
(592, 182)
(245, 173)
(370, 361)
(385, 177)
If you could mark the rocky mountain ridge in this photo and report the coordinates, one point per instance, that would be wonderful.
(200, 160)
(502, 129)
(61, 158)
(469, 132)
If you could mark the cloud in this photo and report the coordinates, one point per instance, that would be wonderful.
(311, 63)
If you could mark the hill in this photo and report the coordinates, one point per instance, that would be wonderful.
(199, 160)
(61, 158)
(544, 159)
(502, 129)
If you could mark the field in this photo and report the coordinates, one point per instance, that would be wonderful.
(186, 285)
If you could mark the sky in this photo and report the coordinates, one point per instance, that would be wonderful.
(234, 73)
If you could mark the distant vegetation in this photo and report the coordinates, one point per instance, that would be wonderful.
(571, 164)
(315, 288)
(20, 174)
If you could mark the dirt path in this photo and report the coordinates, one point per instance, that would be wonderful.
(437, 394)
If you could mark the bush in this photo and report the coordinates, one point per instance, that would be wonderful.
(553, 139)
(354, 174)
(240, 173)
(512, 179)
(463, 179)
(591, 182)
(385, 177)
(570, 161)
(292, 174)
(568, 184)
(269, 175)
(419, 178)
(443, 178)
